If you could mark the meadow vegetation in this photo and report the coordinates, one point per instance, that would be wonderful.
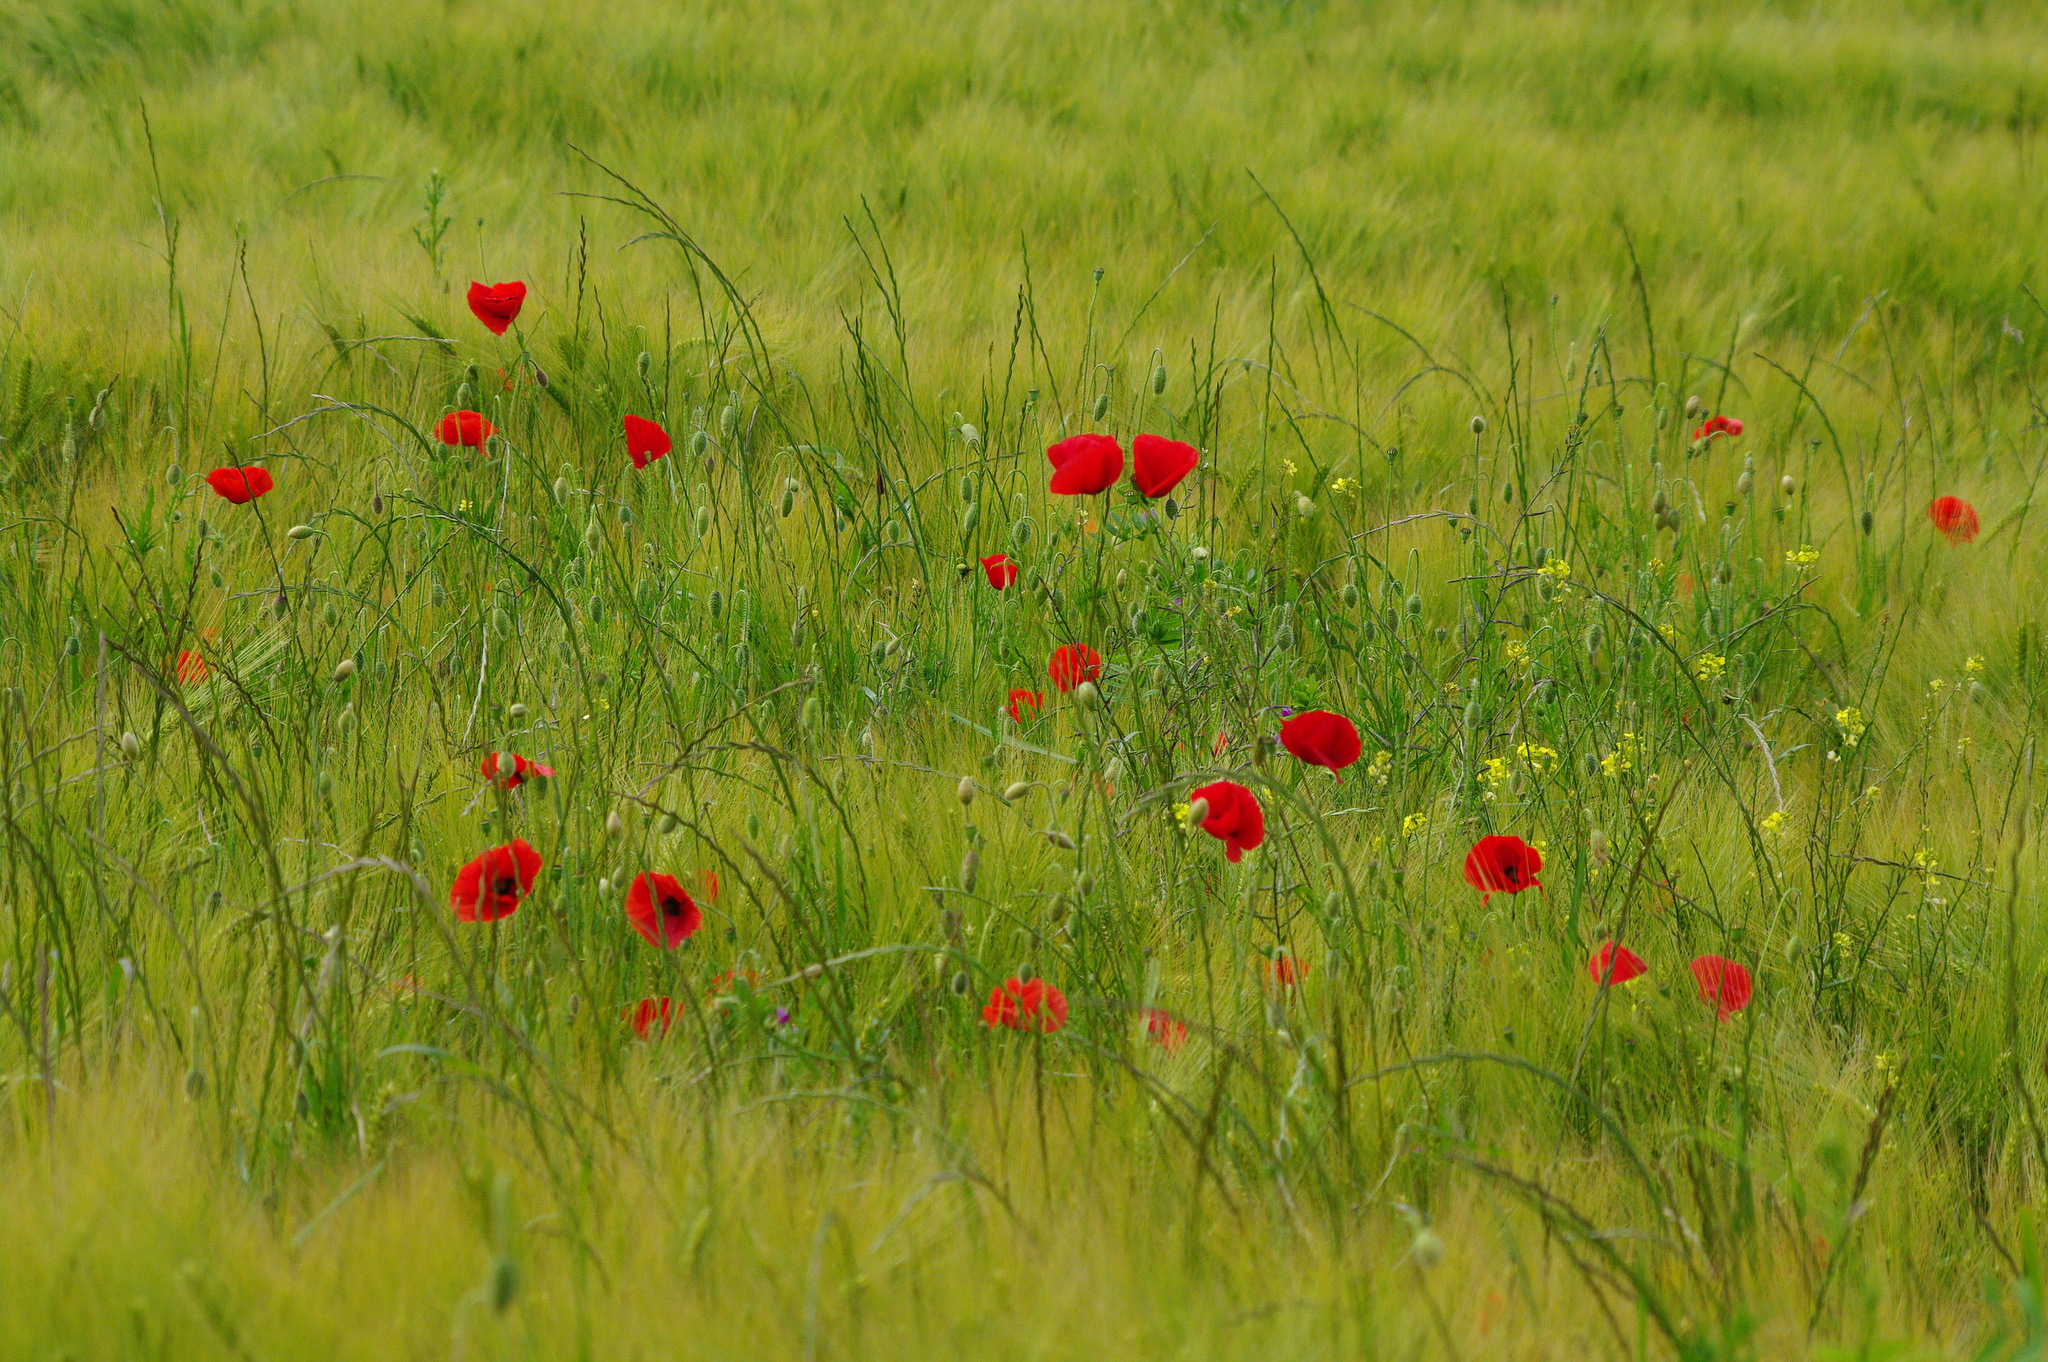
(1627, 416)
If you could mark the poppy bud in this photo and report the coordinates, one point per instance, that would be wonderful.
(561, 491)
(703, 521)
(614, 824)
(1087, 696)
(195, 1084)
(788, 500)
(71, 646)
(1020, 532)
(965, 791)
(504, 1283)
(959, 984)
(1101, 407)
(1303, 507)
(1349, 595)
(462, 396)
(1868, 520)
(1016, 791)
(1507, 492)
(1599, 847)
(1473, 715)
(1199, 554)
(282, 605)
(346, 720)
(644, 363)
(699, 442)
(131, 746)
(1283, 637)
(1198, 813)
(1479, 425)
(1059, 839)
(970, 437)
(1263, 749)
(1426, 1248)
(1158, 379)
(300, 532)
(970, 517)
(1745, 484)
(891, 531)
(717, 602)
(1658, 503)
(1172, 509)
(595, 608)
(1692, 406)
(813, 709)
(324, 783)
(501, 623)
(1414, 605)
(970, 867)
(1785, 484)
(728, 421)
(344, 669)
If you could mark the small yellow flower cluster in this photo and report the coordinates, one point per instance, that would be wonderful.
(1494, 774)
(1772, 822)
(1287, 466)
(1377, 770)
(1539, 759)
(1345, 487)
(1413, 823)
(1936, 686)
(1622, 758)
(1852, 724)
(1972, 665)
(1708, 666)
(1806, 555)
(1517, 653)
(1557, 568)
(1924, 862)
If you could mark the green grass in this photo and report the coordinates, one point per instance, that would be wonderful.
(264, 1095)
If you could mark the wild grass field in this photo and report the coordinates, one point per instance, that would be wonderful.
(1623, 421)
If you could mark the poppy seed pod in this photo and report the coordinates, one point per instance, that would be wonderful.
(344, 669)
(1158, 379)
(1479, 425)
(131, 746)
(965, 791)
(1786, 484)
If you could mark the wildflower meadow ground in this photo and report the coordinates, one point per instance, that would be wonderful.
(1011, 680)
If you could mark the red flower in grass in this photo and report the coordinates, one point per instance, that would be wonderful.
(1321, 738)
(661, 911)
(509, 770)
(240, 485)
(1001, 571)
(1723, 983)
(1502, 865)
(1717, 425)
(1955, 518)
(1163, 1030)
(1235, 818)
(491, 886)
(464, 428)
(645, 441)
(1158, 464)
(497, 306)
(648, 1011)
(728, 981)
(1026, 1005)
(1287, 970)
(189, 667)
(1073, 663)
(1625, 963)
(1084, 465)
(1021, 700)
(707, 885)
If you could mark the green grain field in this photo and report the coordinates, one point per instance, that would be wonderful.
(976, 1041)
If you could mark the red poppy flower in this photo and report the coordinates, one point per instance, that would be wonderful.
(1219, 744)
(1287, 970)
(726, 982)
(1073, 663)
(240, 485)
(645, 441)
(1027, 1005)
(491, 886)
(1001, 571)
(1955, 518)
(190, 667)
(661, 912)
(1502, 865)
(1021, 700)
(1158, 464)
(1235, 818)
(707, 884)
(509, 770)
(1084, 465)
(1321, 738)
(1163, 1030)
(645, 1013)
(497, 306)
(1625, 963)
(1717, 425)
(1723, 983)
(464, 428)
